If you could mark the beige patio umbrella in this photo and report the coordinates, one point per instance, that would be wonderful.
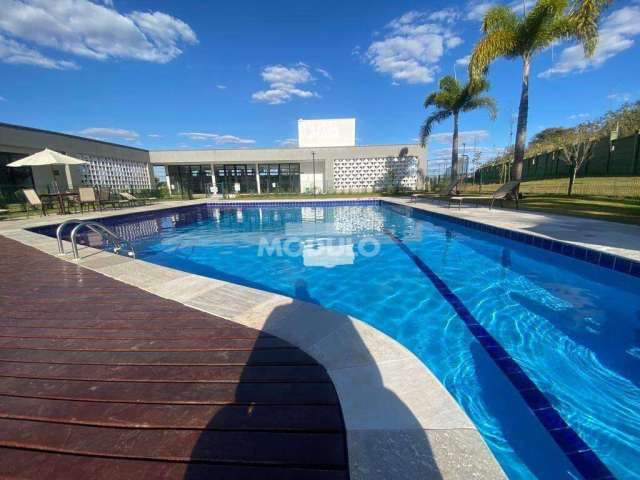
(46, 157)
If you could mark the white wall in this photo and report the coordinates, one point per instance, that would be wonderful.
(306, 177)
(374, 174)
(336, 132)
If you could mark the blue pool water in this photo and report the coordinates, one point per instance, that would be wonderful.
(573, 327)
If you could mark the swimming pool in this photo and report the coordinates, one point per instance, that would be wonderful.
(466, 302)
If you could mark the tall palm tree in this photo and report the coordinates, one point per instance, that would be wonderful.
(449, 101)
(509, 35)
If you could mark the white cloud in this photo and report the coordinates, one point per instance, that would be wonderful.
(616, 35)
(619, 97)
(476, 10)
(221, 87)
(154, 135)
(464, 136)
(17, 53)
(464, 61)
(284, 84)
(217, 138)
(324, 73)
(448, 15)
(579, 116)
(106, 132)
(413, 45)
(86, 29)
(288, 142)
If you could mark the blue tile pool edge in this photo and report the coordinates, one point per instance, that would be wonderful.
(583, 458)
(605, 260)
(294, 203)
(602, 259)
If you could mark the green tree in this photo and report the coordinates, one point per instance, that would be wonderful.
(576, 145)
(625, 119)
(506, 34)
(545, 141)
(452, 99)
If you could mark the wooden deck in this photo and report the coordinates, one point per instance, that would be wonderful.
(102, 380)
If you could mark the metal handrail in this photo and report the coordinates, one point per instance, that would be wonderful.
(59, 231)
(104, 232)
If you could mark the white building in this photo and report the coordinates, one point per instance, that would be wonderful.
(327, 159)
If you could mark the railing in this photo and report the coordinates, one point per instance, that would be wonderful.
(59, 231)
(96, 227)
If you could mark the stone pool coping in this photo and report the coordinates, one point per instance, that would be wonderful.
(387, 417)
(547, 231)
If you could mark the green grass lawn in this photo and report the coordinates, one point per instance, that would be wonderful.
(584, 186)
(606, 198)
(624, 210)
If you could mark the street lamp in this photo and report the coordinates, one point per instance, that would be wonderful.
(313, 157)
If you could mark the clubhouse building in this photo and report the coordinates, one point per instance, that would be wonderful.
(326, 160)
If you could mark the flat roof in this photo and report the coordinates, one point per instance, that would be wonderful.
(68, 135)
(230, 149)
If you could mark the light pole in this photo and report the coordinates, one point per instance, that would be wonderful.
(313, 160)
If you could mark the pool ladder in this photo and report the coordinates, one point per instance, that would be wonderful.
(108, 235)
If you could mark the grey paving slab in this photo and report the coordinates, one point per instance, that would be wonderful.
(419, 454)
(228, 300)
(396, 395)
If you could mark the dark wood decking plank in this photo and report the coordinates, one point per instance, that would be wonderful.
(259, 447)
(199, 393)
(152, 373)
(281, 356)
(212, 417)
(160, 345)
(128, 334)
(29, 464)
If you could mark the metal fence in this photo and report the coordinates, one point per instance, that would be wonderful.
(620, 157)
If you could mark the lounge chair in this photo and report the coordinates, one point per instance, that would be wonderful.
(33, 201)
(132, 199)
(506, 190)
(449, 191)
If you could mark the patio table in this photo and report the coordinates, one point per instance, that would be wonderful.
(60, 196)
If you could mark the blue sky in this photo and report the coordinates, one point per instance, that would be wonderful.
(196, 74)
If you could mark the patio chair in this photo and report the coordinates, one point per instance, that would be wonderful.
(104, 198)
(509, 189)
(87, 196)
(33, 201)
(449, 191)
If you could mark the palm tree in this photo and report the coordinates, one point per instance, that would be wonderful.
(511, 36)
(450, 100)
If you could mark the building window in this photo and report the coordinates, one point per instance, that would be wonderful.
(279, 178)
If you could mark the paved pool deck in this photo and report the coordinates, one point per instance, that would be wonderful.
(398, 419)
(611, 237)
